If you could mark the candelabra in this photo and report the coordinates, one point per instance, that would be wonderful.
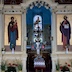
(38, 34)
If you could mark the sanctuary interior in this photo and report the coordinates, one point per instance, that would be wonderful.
(34, 36)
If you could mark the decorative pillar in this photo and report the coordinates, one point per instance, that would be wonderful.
(1, 36)
(53, 32)
(0, 63)
(24, 31)
(53, 65)
(54, 44)
(24, 65)
(1, 31)
(54, 62)
(24, 39)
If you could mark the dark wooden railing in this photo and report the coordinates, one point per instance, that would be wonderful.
(64, 1)
(12, 2)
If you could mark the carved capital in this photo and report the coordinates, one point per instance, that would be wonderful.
(25, 10)
(54, 10)
(22, 12)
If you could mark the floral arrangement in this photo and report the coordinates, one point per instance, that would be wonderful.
(12, 64)
(18, 66)
(66, 67)
(63, 68)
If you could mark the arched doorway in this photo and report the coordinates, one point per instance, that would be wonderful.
(42, 10)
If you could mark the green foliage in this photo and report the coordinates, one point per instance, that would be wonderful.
(3, 65)
(71, 63)
(65, 68)
(57, 67)
(19, 67)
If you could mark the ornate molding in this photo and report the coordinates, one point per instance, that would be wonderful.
(39, 4)
(12, 10)
(23, 7)
(64, 9)
(53, 10)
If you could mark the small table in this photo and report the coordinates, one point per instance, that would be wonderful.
(39, 68)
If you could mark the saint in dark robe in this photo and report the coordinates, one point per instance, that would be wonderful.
(37, 21)
(65, 29)
(12, 33)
